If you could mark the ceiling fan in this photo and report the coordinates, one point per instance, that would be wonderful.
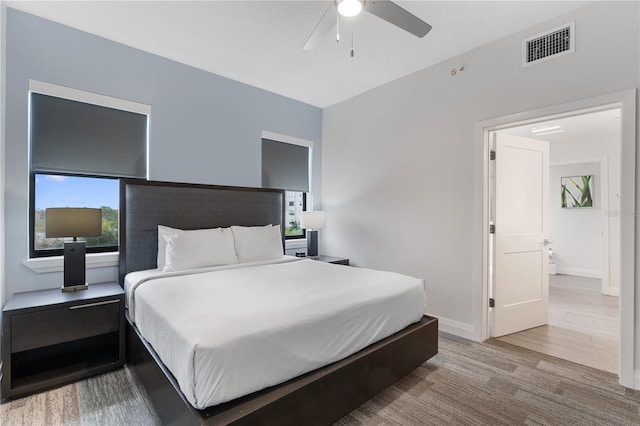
(383, 9)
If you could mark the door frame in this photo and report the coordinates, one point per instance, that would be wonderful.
(626, 101)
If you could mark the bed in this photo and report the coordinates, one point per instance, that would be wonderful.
(334, 348)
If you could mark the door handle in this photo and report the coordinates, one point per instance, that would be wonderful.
(547, 242)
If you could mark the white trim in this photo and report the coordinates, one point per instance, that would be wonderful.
(456, 328)
(636, 380)
(612, 291)
(286, 139)
(481, 293)
(580, 272)
(88, 97)
(579, 161)
(43, 265)
(628, 217)
(626, 100)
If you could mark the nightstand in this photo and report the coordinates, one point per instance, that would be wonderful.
(335, 260)
(51, 338)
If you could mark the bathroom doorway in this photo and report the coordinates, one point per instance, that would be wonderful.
(583, 240)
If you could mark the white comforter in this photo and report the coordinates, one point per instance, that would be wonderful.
(228, 332)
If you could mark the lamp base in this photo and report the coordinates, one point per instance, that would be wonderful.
(66, 288)
(74, 266)
(312, 244)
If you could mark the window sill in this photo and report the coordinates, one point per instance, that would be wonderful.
(43, 265)
(295, 244)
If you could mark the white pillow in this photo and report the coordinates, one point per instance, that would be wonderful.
(162, 243)
(254, 243)
(198, 249)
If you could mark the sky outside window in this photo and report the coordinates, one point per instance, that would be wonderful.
(72, 191)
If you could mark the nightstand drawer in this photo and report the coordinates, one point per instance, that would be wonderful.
(44, 328)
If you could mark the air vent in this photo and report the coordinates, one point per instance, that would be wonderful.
(550, 44)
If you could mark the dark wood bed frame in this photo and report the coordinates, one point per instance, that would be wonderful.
(317, 398)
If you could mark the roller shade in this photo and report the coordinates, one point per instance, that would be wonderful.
(285, 166)
(76, 137)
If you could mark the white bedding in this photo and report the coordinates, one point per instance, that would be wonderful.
(134, 279)
(227, 332)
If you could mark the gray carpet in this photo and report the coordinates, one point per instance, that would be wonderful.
(494, 383)
(111, 399)
(467, 383)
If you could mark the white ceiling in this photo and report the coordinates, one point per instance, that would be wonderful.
(260, 42)
(604, 125)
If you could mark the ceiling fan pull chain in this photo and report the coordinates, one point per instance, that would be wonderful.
(388, 11)
(353, 52)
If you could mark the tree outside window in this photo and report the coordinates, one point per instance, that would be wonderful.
(74, 191)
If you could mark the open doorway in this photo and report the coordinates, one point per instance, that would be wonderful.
(582, 239)
(628, 328)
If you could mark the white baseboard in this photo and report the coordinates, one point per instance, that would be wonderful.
(580, 272)
(459, 329)
(634, 383)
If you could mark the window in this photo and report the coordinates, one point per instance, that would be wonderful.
(286, 163)
(49, 190)
(296, 202)
(80, 144)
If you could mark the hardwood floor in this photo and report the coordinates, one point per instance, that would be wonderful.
(583, 324)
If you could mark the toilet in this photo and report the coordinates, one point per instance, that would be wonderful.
(553, 266)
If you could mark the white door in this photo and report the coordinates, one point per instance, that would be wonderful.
(520, 274)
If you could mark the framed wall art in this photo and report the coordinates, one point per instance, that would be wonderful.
(576, 191)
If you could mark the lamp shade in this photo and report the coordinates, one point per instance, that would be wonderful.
(73, 222)
(313, 220)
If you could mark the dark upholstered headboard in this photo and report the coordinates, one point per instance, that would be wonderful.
(146, 204)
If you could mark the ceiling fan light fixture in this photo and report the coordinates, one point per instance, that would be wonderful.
(349, 8)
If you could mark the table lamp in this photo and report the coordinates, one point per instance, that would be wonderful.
(61, 222)
(312, 221)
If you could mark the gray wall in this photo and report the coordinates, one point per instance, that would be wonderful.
(204, 128)
(400, 168)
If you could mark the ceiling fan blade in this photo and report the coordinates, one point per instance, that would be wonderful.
(398, 16)
(326, 24)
